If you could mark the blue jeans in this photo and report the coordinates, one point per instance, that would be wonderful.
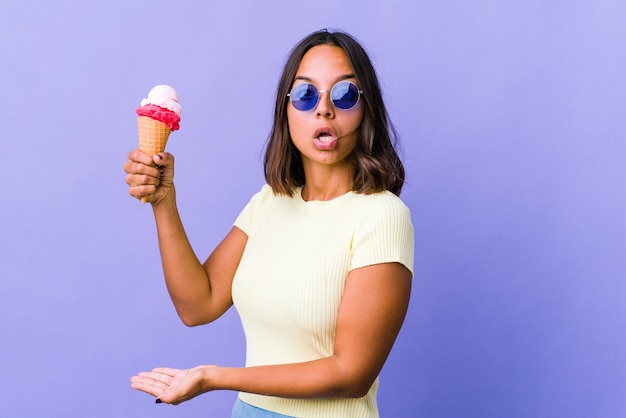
(245, 410)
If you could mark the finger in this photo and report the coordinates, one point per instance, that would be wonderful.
(140, 191)
(164, 375)
(166, 165)
(134, 167)
(166, 371)
(171, 398)
(148, 385)
(157, 160)
(136, 179)
(140, 157)
(153, 378)
(163, 159)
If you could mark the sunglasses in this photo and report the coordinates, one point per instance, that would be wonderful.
(344, 95)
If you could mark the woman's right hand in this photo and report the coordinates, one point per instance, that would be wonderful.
(149, 177)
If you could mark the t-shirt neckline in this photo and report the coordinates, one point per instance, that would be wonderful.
(316, 203)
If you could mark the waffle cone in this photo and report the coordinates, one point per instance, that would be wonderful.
(152, 135)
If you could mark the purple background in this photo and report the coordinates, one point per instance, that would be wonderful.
(513, 120)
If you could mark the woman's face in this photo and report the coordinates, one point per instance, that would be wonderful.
(324, 135)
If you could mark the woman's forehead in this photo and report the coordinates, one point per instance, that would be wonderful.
(324, 63)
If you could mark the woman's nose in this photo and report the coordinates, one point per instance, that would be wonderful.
(325, 106)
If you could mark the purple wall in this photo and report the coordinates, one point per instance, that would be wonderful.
(514, 139)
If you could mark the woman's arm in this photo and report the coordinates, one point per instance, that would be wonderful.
(200, 292)
(371, 313)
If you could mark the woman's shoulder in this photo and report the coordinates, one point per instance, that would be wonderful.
(382, 201)
(383, 208)
(257, 209)
(266, 200)
(262, 195)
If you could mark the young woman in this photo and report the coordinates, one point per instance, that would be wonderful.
(318, 264)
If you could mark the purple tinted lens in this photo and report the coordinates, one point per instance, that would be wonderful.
(345, 95)
(304, 96)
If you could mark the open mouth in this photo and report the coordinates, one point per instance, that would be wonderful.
(326, 137)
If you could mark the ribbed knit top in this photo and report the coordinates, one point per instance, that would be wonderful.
(289, 283)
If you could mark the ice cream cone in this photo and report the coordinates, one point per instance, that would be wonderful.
(153, 136)
(159, 115)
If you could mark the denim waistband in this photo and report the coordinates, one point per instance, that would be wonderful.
(245, 410)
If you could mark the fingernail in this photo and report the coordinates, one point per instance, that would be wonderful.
(158, 400)
(160, 156)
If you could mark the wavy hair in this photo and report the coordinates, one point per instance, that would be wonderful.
(377, 164)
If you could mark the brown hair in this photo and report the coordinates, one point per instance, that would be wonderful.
(378, 166)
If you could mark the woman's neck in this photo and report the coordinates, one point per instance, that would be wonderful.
(326, 183)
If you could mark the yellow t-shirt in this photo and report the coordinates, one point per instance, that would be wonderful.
(291, 278)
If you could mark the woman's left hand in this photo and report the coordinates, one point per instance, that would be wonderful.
(172, 386)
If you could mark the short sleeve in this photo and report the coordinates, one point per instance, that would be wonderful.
(246, 218)
(384, 234)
